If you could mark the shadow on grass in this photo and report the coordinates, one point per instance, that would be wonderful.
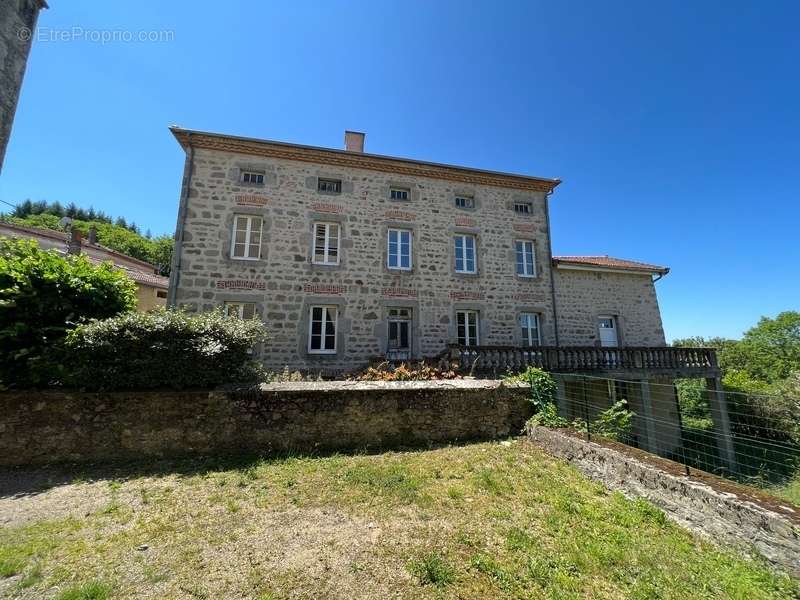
(37, 479)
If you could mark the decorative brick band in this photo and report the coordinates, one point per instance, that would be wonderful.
(316, 288)
(466, 295)
(400, 215)
(399, 293)
(527, 228)
(240, 284)
(249, 200)
(395, 166)
(466, 222)
(326, 207)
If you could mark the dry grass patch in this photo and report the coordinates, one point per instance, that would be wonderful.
(494, 520)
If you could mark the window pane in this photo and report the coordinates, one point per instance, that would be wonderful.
(404, 335)
(316, 342)
(248, 310)
(238, 250)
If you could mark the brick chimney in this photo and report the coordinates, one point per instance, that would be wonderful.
(74, 242)
(354, 141)
(92, 235)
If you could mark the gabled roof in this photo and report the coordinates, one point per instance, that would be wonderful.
(376, 162)
(610, 263)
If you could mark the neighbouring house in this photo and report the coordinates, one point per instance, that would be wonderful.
(350, 257)
(151, 288)
(17, 28)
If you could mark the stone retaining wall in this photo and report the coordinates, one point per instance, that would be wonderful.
(722, 516)
(44, 427)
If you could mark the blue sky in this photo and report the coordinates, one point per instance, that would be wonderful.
(675, 126)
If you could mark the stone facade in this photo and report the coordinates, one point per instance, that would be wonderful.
(281, 283)
(17, 26)
(584, 295)
(46, 427)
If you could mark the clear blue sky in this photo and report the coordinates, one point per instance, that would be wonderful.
(675, 126)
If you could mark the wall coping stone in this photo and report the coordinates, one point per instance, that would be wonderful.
(356, 386)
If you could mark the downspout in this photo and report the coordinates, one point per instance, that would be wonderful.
(552, 267)
(174, 274)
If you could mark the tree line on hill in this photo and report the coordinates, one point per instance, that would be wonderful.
(114, 233)
(761, 378)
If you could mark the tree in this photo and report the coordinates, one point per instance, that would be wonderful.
(43, 295)
(698, 341)
(768, 352)
(24, 209)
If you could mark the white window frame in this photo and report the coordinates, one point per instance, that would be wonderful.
(399, 190)
(336, 184)
(247, 172)
(249, 229)
(399, 233)
(526, 329)
(469, 201)
(467, 339)
(240, 308)
(326, 309)
(464, 237)
(526, 266)
(399, 316)
(528, 208)
(327, 244)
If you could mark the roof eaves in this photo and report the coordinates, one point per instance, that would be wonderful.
(187, 137)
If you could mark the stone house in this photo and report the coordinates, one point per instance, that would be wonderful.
(151, 288)
(349, 256)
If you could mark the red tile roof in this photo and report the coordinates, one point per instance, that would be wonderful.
(144, 274)
(608, 262)
(143, 277)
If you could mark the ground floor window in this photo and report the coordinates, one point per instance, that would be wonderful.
(529, 324)
(467, 327)
(322, 330)
(243, 310)
(399, 326)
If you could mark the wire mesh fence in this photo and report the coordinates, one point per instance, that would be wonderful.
(751, 439)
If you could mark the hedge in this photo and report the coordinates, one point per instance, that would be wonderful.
(43, 295)
(163, 349)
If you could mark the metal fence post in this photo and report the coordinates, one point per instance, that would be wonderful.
(680, 426)
(586, 412)
(718, 403)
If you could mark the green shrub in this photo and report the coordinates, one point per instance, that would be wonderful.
(42, 296)
(542, 392)
(616, 422)
(163, 348)
(541, 384)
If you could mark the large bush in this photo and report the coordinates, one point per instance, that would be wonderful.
(164, 348)
(43, 295)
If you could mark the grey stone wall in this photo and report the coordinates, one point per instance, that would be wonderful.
(44, 427)
(284, 283)
(582, 296)
(722, 516)
(17, 25)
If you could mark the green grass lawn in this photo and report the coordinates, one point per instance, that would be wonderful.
(492, 520)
